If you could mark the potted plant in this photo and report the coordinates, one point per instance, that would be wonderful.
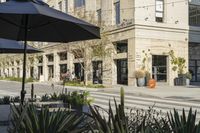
(80, 101)
(179, 66)
(188, 76)
(140, 76)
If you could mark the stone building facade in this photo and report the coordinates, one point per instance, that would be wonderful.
(136, 30)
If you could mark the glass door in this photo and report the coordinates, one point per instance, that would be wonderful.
(159, 68)
(122, 71)
(97, 72)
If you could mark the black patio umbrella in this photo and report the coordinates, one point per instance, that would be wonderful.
(14, 47)
(32, 20)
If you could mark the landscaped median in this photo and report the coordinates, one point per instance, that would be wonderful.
(81, 84)
(28, 80)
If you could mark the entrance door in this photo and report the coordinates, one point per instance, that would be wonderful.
(63, 70)
(194, 69)
(40, 71)
(79, 71)
(31, 72)
(159, 68)
(18, 72)
(122, 71)
(97, 72)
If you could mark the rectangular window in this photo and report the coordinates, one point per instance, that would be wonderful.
(99, 16)
(60, 5)
(79, 3)
(194, 15)
(63, 56)
(121, 47)
(40, 59)
(117, 12)
(66, 6)
(50, 58)
(159, 10)
(78, 53)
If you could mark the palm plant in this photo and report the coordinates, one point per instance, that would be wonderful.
(28, 119)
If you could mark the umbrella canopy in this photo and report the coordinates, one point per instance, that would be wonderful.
(44, 23)
(32, 20)
(14, 47)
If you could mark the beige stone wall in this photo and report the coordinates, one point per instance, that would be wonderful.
(160, 43)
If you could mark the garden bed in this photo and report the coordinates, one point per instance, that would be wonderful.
(28, 80)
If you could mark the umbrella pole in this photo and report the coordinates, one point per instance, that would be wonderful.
(23, 92)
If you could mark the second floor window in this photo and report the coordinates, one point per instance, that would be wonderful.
(159, 11)
(50, 58)
(60, 5)
(194, 15)
(117, 12)
(63, 56)
(79, 3)
(99, 16)
(66, 6)
(121, 47)
(40, 59)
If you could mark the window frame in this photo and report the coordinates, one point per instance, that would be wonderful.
(160, 19)
(117, 12)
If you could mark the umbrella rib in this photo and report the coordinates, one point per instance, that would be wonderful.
(3, 19)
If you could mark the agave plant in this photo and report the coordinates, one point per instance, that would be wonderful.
(116, 122)
(28, 119)
(183, 124)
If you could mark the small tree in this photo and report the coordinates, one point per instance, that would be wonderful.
(87, 51)
(177, 62)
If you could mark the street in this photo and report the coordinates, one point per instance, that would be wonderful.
(163, 98)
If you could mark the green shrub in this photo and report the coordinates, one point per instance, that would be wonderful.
(5, 100)
(183, 124)
(18, 79)
(79, 84)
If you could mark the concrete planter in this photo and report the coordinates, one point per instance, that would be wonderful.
(180, 81)
(140, 82)
(187, 82)
(81, 108)
(5, 111)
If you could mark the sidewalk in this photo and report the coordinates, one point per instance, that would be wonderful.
(191, 93)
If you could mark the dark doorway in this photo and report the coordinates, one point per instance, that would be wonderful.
(18, 72)
(79, 71)
(97, 72)
(122, 71)
(40, 71)
(31, 72)
(63, 70)
(159, 68)
(194, 69)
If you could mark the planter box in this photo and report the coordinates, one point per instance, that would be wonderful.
(180, 81)
(140, 82)
(5, 112)
(81, 108)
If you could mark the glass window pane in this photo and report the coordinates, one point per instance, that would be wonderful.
(159, 6)
(192, 63)
(159, 14)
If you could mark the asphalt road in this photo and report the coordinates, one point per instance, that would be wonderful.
(8, 88)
